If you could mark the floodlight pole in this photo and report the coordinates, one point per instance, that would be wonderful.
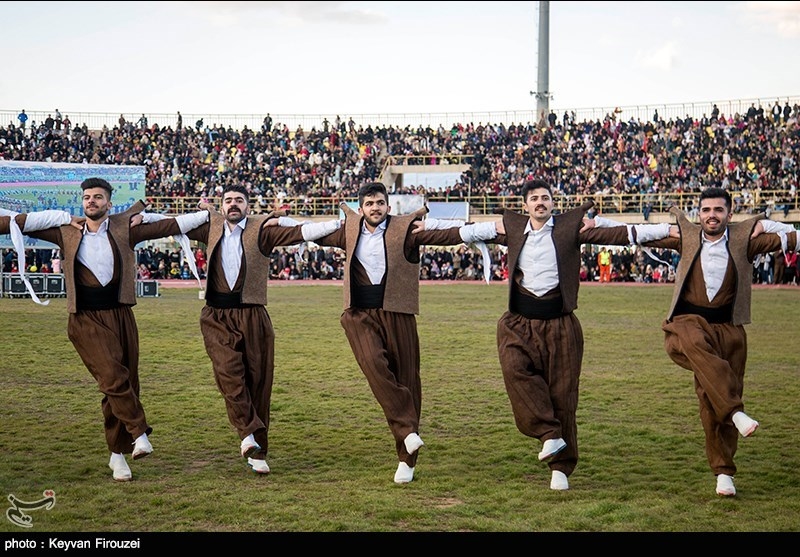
(542, 93)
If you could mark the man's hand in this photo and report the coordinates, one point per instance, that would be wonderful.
(205, 206)
(500, 226)
(77, 222)
(674, 231)
(418, 226)
(136, 219)
(587, 224)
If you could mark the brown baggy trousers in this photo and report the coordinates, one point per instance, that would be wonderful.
(107, 341)
(717, 354)
(386, 347)
(241, 345)
(541, 363)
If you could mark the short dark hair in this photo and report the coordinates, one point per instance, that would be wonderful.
(535, 185)
(371, 188)
(715, 193)
(238, 189)
(90, 183)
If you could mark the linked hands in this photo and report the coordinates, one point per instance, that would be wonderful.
(77, 222)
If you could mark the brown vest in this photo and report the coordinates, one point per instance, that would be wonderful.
(255, 265)
(738, 240)
(119, 227)
(401, 293)
(566, 229)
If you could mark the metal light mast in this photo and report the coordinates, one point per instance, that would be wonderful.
(542, 93)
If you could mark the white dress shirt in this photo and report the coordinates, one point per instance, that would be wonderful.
(232, 251)
(714, 259)
(371, 252)
(537, 260)
(96, 254)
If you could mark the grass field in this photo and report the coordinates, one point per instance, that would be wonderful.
(642, 466)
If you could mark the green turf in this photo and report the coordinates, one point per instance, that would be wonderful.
(642, 466)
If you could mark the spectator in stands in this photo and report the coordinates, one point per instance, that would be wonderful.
(23, 118)
(200, 261)
(381, 299)
(100, 275)
(604, 264)
(539, 338)
(704, 327)
(143, 273)
(790, 270)
(237, 331)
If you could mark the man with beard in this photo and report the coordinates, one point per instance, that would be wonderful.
(381, 300)
(99, 267)
(237, 330)
(704, 329)
(539, 338)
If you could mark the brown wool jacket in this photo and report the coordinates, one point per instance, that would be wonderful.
(69, 238)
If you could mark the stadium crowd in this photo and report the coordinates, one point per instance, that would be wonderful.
(758, 150)
(743, 153)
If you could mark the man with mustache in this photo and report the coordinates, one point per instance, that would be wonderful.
(381, 300)
(704, 329)
(539, 338)
(237, 330)
(99, 265)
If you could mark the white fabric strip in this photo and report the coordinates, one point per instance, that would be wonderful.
(185, 223)
(19, 245)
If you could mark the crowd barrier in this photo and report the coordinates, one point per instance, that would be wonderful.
(147, 289)
(45, 285)
(51, 285)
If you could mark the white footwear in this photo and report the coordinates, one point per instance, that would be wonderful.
(249, 446)
(744, 423)
(552, 447)
(404, 474)
(141, 447)
(122, 472)
(559, 481)
(258, 466)
(412, 442)
(725, 485)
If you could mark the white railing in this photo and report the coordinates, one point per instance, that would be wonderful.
(644, 112)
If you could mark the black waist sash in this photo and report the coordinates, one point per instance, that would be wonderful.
(367, 296)
(721, 314)
(535, 308)
(94, 298)
(222, 300)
